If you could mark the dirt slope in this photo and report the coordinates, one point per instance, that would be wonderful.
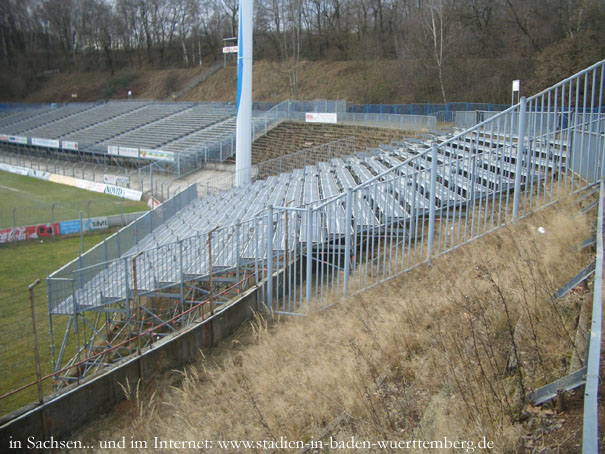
(95, 86)
(354, 81)
(351, 80)
(360, 81)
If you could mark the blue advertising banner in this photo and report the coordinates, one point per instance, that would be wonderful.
(68, 227)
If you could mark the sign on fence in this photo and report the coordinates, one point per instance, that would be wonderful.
(127, 152)
(124, 193)
(153, 203)
(30, 232)
(90, 225)
(69, 227)
(99, 223)
(40, 174)
(18, 139)
(321, 117)
(89, 185)
(67, 145)
(157, 154)
(115, 179)
(14, 169)
(48, 143)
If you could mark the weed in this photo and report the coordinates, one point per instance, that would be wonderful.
(450, 350)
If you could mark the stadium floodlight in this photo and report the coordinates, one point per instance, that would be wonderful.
(243, 137)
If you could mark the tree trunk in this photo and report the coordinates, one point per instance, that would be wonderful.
(185, 57)
(199, 49)
(438, 44)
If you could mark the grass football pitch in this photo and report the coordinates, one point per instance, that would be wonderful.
(24, 262)
(34, 198)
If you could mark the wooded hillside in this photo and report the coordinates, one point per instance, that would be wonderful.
(446, 44)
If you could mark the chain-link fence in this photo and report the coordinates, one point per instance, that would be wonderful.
(21, 267)
(45, 213)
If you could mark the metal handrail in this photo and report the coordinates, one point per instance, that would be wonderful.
(426, 241)
(590, 431)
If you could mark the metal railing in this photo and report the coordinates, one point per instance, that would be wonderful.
(498, 170)
(590, 433)
(481, 180)
(402, 109)
(194, 82)
(223, 147)
(425, 108)
(284, 164)
(118, 244)
(308, 256)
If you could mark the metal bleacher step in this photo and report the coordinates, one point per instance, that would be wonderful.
(466, 171)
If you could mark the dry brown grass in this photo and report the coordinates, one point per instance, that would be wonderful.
(95, 86)
(317, 80)
(448, 351)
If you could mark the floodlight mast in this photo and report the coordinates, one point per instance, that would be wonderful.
(243, 137)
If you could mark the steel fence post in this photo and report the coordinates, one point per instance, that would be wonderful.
(127, 291)
(14, 224)
(270, 258)
(81, 234)
(348, 219)
(237, 251)
(520, 153)
(432, 201)
(52, 218)
(309, 287)
(36, 349)
(182, 282)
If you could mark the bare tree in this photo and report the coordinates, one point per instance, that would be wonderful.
(434, 26)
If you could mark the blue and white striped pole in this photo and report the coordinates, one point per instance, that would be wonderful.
(243, 140)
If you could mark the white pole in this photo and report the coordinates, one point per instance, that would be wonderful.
(243, 141)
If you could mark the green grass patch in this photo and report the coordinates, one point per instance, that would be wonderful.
(20, 265)
(34, 198)
(117, 83)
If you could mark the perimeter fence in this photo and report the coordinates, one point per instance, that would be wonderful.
(307, 257)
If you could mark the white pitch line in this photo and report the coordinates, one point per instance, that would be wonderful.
(9, 188)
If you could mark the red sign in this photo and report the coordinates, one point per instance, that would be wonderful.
(30, 232)
(153, 203)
